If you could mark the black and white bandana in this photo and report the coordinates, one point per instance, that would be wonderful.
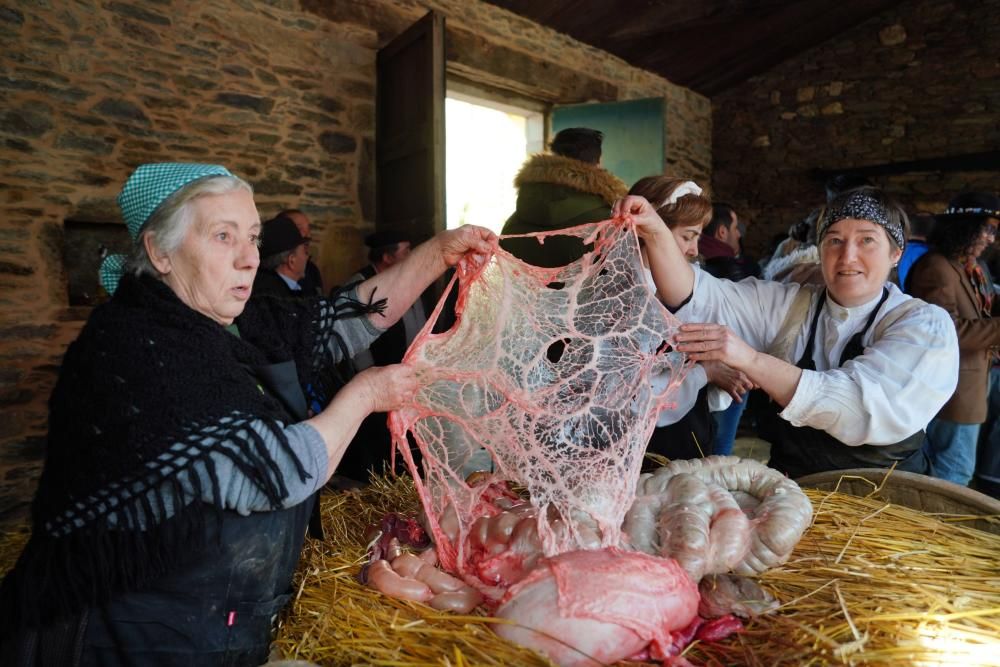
(861, 205)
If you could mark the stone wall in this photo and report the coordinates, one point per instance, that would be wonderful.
(917, 82)
(280, 91)
(505, 50)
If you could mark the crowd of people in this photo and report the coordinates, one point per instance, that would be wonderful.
(205, 405)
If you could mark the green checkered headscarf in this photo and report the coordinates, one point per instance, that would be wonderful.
(145, 190)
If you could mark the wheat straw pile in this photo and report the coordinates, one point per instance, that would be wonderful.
(12, 544)
(870, 583)
(334, 620)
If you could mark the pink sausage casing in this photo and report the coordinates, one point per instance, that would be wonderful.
(387, 581)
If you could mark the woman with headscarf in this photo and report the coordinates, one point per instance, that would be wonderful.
(182, 461)
(853, 368)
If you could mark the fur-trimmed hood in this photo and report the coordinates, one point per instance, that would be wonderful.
(780, 268)
(576, 174)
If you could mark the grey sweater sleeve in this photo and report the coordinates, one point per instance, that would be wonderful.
(357, 333)
(238, 493)
(243, 497)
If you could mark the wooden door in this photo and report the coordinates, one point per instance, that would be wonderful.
(409, 139)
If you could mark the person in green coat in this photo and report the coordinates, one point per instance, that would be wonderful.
(563, 188)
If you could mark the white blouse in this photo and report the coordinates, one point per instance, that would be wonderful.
(685, 394)
(881, 397)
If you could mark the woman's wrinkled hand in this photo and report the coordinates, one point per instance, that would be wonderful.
(714, 342)
(648, 223)
(467, 240)
(725, 377)
(387, 388)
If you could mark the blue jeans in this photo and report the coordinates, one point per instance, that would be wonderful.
(988, 460)
(951, 447)
(726, 423)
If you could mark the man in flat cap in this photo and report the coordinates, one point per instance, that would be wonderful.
(312, 282)
(284, 255)
(559, 189)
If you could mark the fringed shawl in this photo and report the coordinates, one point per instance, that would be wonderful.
(149, 389)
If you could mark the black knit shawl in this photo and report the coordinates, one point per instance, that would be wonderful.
(139, 393)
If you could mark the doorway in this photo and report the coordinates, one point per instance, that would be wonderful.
(486, 144)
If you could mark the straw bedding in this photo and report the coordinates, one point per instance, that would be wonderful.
(870, 583)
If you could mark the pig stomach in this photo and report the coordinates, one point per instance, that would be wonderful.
(590, 608)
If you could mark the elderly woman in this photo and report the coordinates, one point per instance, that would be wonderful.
(854, 368)
(688, 430)
(181, 460)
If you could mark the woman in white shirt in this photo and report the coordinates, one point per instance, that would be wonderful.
(687, 430)
(854, 368)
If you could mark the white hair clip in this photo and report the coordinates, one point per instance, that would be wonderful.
(682, 190)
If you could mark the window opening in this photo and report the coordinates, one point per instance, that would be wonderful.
(486, 144)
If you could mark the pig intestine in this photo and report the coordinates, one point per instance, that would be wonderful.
(595, 606)
(714, 515)
(718, 514)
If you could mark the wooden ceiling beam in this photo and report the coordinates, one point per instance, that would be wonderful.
(985, 161)
(707, 46)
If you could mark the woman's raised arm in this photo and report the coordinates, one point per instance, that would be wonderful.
(401, 284)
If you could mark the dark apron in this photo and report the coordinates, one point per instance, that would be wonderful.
(802, 450)
(216, 609)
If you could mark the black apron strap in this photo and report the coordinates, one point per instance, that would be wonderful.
(807, 354)
(855, 347)
(799, 451)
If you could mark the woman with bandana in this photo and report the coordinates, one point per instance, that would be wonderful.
(853, 367)
(182, 461)
(951, 276)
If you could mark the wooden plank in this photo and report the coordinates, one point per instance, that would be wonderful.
(409, 144)
(986, 161)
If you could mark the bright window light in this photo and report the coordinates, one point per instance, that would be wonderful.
(486, 147)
